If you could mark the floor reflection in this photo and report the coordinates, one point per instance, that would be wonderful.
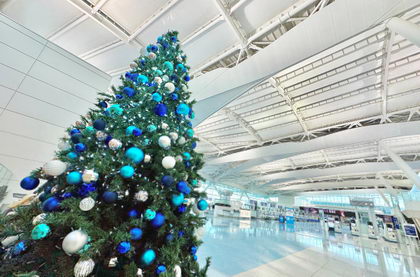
(240, 245)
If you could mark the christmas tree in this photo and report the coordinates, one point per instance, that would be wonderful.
(119, 198)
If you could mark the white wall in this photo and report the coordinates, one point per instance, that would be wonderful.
(43, 90)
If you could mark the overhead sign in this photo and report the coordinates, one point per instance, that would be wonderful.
(410, 230)
(361, 203)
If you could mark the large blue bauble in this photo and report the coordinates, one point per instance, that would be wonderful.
(80, 147)
(51, 204)
(74, 178)
(74, 131)
(158, 221)
(110, 196)
(193, 145)
(133, 213)
(136, 233)
(129, 91)
(183, 109)
(148, 257)
(167, 180)
(134, 154)
(71, 155)
(156, 97)
(127, 171)
(187, 78)
(99, 124)
(142, 79)
(123, 247)
(160, 109)
(177, 199)
(183, 187)
(29, 183)
(202, 205)
(193, 250)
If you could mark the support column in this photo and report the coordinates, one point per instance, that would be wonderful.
(407, 29)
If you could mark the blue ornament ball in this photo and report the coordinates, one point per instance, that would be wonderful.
(190, 133)
(160, 109)
(80, 147)
(29, 183)
(156, 97)
(168, 66)
(110, 196)
(129, 130)
(136, 233)
(135, 155)
(123, 247)
(74, 131)
(177, 199)
(67, 195)
(130, 92)
(181, 234)
(187, 156)
(74, 178)
(19, 248)
(133, 213)
(72, 155)
(99, 124)
(137, 132)
(158, 221)
(51, 204)
(202, 205)
(103, 104)
(187, 78)
(195, 257)
(148, 257)
(183, 109)
(167, 180)
(183, 187)
(174, 96)
(182, 209)
(169, 237)
(193, 250)
(151, 128)
(118, 96)
(127, 171)
(160, 269)
(193, 145)
(142, 79)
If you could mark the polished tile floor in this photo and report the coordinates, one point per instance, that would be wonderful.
(244, 248)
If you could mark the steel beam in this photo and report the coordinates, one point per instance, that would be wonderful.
(201, 30)
(67, 27)
(409, 172)
(289, 102)
(169, 4)
(389, 41)
(98, 6)
(101, 49)
(244, 124)
(405, 28)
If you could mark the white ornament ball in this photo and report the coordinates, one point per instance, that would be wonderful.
(83, 268)
(158, 80)
(164, 142)
(184, 87)
(133, 65)
(39, 219)
(141, 196)
(164, 126)
(101, 136)
(54, 168)
(178, 158)
(168, 162)
(173, 135)
(170, 87)
(114, 144)
(182, 140)
(86, 204)
(139, 272)
(177, 271)
(54, 189)
(147, 158)
(165, 78)
(113, 262)
(64, 146)
(89, 176)
(9, 241)
(74, 241)
(152, 56)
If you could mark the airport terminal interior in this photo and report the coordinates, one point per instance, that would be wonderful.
(211, 138)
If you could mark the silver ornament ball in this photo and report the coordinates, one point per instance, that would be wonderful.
(83, 268)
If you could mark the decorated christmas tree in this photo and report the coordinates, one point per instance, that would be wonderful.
(120, 197)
